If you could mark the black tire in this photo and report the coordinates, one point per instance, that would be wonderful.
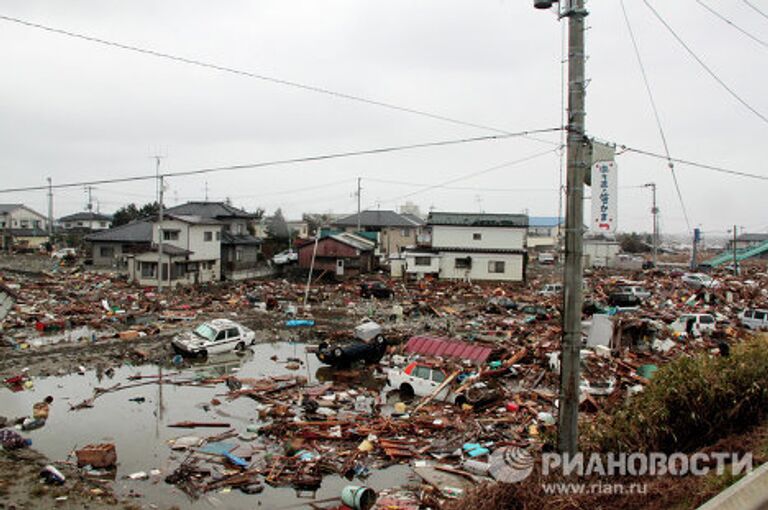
(240, 347)
(380, 340)
(337, 352)
(406, 391)
(202, 354)
(460, 400)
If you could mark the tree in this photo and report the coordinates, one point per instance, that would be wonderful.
(316, 221)
(277, 227)
(131, 212)
(635, 243)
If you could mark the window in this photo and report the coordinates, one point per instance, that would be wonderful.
(239, 228)
(24, 223)
(207, 236)
(707, 319)
(421, 372)
(218, 236)
(760, 316)
(438, 376)
(463, 263)
(748, 314)
(405, 232)
(205, 331)
(238, 254)
(222, 334)
(106, 251)
(170, 235)
(103, 224)
(477, 236)
(148, 269)
(495, 266)
(422, 261)
(233, 333)
(79, 223)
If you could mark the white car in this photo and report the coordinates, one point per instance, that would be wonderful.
(699, 280)
(754, 319)
(63, 253)
(702, 323)
(285, 257)
(551, 288)
(420, 379)
(214, 337)
(635, 291)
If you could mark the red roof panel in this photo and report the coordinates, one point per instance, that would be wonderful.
(448, 348)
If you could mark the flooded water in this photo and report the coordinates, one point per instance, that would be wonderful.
(140, 432)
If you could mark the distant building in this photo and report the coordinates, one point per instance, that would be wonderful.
(411, 209)
(299, 229)
(83, 221)
(467, 246)
(747, 240)
(544, 231)
(394, 232)
(600, 250)
(22, 227)
(342, 255)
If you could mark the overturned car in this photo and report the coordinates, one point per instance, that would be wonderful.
(368, 347)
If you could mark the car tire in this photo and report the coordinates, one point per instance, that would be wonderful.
(202, 353)
(380, 340)
(240, 347)
(406, 391)
(338, 352)
(460, 400)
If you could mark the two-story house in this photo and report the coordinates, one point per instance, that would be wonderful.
(239, 248)
(394, 232)
(21, 226)
(191, 252)
(85, 221)
(466, 246)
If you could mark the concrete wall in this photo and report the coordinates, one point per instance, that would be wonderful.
(513, 266)
(491, 238)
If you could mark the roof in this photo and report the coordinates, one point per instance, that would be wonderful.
(170, 249)
(447, 348)
(239, 239)
(354, 241)
(376, 219)
(477, 219)
(756, 237)
(8, 208)
(139, 231)
(415, 219)
(210, 210)
(86, 216)
(545, 221)
(191, 219)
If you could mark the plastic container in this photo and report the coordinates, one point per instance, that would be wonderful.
(358, 498)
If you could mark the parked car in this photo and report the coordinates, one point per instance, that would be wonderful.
(546, 258)
(285, 257)
(214, 337)
(376, 289)
(422, 379)
(635, 290)
(699, 322)
(624, 300)
(699, 280)
(754, 319)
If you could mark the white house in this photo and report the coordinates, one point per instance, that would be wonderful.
(466, 246)
(20, 226)
(88, 220)
(544, 231)
(191, 252)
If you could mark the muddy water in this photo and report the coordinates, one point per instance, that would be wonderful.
(140, 432)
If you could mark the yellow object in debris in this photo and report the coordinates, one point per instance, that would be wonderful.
(533, 430)
(365, 446)
(400, 407)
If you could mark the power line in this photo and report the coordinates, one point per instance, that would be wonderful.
(472, 174)
(734, 25)
(656, 115)
(754, 8)
(695, 164)
(262, 77)
(705, 66)
(306, 159)
(463, 188)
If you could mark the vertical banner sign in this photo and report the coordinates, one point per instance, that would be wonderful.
(604, 197)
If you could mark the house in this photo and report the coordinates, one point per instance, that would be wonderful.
(191, 252)
(466, 246)
(299, 229)
(343, 254)
(22, 227)
(544, 231)
(600, 250)
(240, 249)
(87, 220)
(394, 232)
(110, 248)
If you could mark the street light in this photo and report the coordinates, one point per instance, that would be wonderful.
(543, 4)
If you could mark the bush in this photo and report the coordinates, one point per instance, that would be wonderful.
(691, 402)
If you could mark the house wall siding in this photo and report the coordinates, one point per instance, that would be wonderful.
(491, 238)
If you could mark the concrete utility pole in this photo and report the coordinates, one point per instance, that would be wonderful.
(735, 260)
(88, 190)
(359, 196)
(159, 226)
(655, 212)
(574, 224)
(50, 211)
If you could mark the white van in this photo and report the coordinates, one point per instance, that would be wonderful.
(754, 319)
(702, 323)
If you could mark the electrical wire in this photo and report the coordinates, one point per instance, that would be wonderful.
(656, 114)
(463, 188)
(262, 77)
(695, 164)
(305, 159)
(734, 25)
(754, 8)
(471, 174)
(705, 66)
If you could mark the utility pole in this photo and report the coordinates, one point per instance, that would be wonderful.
(735, 261)
(89, 189)
(574, 225)
(655, 212)
(159, 226)
(359, 196)
(50, 212)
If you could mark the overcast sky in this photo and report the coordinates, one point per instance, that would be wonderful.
(74, 110)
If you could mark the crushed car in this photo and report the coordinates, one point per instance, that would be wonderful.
(213, 337)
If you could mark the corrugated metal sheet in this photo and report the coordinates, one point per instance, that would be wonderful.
(447, 348)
